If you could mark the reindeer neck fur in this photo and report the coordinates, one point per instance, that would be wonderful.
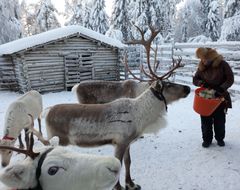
(141, 87)
(150, 110)
(15, 118)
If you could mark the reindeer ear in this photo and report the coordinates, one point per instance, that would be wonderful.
(54, 141)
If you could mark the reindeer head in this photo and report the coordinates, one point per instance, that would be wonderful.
(163, 89)
(63, 169)
(59, 169)
(152, 68)
(168, 91)
(6, 154)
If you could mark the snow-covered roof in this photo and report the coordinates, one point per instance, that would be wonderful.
(53, 35)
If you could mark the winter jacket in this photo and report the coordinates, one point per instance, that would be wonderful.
(217, 74)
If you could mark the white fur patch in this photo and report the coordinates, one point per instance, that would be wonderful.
(154, 127)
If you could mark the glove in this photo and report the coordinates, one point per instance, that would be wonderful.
(204, 84)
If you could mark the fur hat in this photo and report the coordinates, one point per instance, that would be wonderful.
(210, 55)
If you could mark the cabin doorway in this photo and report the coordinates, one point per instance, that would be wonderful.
(78, 67)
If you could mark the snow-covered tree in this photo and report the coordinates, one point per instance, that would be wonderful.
(75, 12)
(119, 19)
(46, 17)
(232, 8)
(205, 11)
(28, 18)
(99, 18)
(189, 21)
(11, 28)
(87, 17)
(161, 13)
(214, 20)
(231, 25)
(184, 28)
(158, 13)
(114, 33)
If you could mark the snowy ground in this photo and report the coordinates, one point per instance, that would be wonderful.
(173, 159)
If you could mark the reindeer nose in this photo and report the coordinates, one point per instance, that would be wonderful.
(4, 164)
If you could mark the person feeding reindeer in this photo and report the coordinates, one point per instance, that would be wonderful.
(214, 73)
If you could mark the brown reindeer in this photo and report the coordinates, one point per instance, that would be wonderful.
(120, 122)
(100, 91)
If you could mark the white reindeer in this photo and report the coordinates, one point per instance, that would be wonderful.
(61, 169)
(119, 123)
(17, 118)
(99, 92)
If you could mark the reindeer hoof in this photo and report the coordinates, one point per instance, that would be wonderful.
(119, 188)
(133, 187)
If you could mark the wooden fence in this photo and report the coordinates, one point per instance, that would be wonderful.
(165, 52)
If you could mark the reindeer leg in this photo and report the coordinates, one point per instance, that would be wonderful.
(26, 137)
(40, 137)
(130, 185)
(21, 145)
(119, 153)
(39, 124)
(35, 132)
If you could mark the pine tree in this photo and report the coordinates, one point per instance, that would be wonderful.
(189, 21)
(232, 8)
(87, 17)
(205, 10)
(184, 28)
(214, 20)
(11, 28)
(46, 17)
(231, 26)
(99, 19)
(76, 10)
(119, 19)
(27, 18)
(138, 17)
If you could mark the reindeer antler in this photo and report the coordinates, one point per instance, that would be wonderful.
(133, 75)
(176, 64)
(147, 45)
(29, 152)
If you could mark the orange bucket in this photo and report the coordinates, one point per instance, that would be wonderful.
(204, 106)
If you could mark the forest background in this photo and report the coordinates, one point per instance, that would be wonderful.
(179, 20)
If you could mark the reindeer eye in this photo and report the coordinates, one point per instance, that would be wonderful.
(53, 170)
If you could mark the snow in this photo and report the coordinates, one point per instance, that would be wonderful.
(55, 34)
(174, 158)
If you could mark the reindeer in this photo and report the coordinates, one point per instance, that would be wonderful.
(17, 118)
(99, 92)
(120, 122)
(60, 169)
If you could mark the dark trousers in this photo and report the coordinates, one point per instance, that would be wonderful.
(217, 121)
